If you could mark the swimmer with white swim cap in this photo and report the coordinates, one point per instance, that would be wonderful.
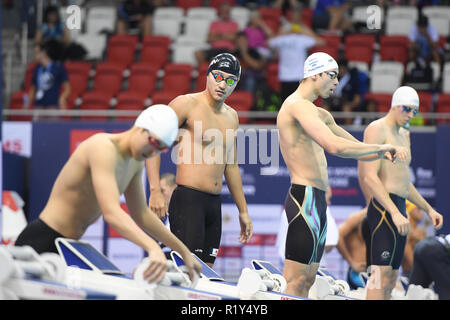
(390, 186)
(305, 132)
(90, 184)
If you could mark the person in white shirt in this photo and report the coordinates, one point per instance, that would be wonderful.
(424, 42)
(292, 47)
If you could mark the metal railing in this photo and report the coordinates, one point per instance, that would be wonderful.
(43, 114)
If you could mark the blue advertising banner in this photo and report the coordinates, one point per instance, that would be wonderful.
(443, 179)
(264, 175)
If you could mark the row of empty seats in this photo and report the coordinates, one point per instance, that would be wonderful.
(133, 89)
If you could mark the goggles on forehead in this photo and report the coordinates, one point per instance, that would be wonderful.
(409, 109)
(229, 81)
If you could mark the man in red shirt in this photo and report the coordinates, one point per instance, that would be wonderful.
(221, 36)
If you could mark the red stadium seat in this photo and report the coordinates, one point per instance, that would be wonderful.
(94, 100)
(241, 101)
(443, 106)
(426, 101)
(163, 97)
(217, 3)
(331, 50)
(142, 79)
(176, 81)
(129, 100)
(16, 102)
(272, 17)
(187, 4)
(108, 78)
(121, 49)
(177, 78)
(155, 50)
(394, 48)
(332, 40)
(359, 47)
(272, 77)
(78, 73)
(383, 100)
(201, 78)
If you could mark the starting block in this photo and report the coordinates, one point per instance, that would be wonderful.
(91, 269)
(251, 285)
(24, 274)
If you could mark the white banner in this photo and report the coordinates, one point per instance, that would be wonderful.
(17, 137)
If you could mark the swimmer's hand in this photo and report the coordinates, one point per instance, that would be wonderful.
(246, 227)
(401, 223)
(436, 219)
(158, 266)
(193, 266)
(157, 203)
(393, 153)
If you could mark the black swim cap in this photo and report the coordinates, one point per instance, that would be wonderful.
(225, 62)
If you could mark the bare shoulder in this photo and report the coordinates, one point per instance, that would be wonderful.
(376, 126)
(184, 100)
(298, 106)
(325, 115)
(100, 144)
(376, 131)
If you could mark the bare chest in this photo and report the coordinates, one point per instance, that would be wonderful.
(210, 129)
(125, 171)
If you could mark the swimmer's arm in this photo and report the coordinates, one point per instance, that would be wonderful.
(102, 159)
(353, 221)
(234, 182)
(157, 201)
(147, 220)
(341, 132)
(322, 135)
(369, 170)
(415, 197)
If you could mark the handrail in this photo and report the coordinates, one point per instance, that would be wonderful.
(130, 113)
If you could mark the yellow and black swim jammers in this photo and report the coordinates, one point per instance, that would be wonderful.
(386, 244)
(306, 211)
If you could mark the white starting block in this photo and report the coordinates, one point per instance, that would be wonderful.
(90, 269)
(327, 288)
(253, 284)
(26, 275)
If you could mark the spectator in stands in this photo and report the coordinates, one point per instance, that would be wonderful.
(49, 76)
(285, 5)
(252, 63)
(221, 36)
(331, 15)
(292, 51)
(52, 28)
(258, 33)
(368, 105)
(134, 14)
(350, 92)
(424, 42)
(295, 25)
(252, 3)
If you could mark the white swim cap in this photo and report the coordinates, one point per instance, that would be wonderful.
(161, 121)
(405, 96)
(318, 62)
